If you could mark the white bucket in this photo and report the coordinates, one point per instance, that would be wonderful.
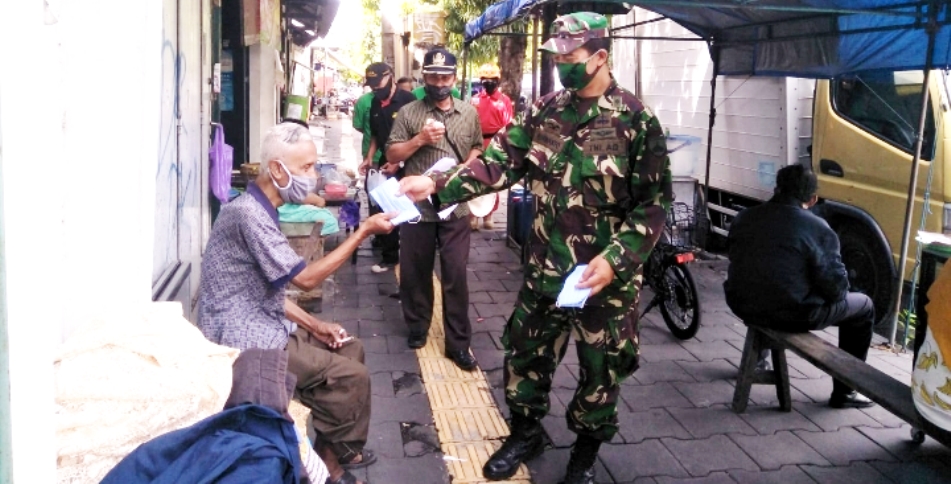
(684, 152)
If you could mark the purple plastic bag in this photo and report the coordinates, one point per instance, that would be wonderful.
(222, 159)
(350, 213)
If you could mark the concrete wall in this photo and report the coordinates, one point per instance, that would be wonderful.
(180, 221)
(103, 183)
(263, 95)
(78, 144)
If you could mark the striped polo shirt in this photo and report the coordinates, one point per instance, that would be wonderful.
(462, 126)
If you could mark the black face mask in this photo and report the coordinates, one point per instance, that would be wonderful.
(490, 86)
(383, 93)
(437, 93)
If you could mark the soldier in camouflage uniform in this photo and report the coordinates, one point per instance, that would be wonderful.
(596, 160)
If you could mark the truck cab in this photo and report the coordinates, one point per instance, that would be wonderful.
(864, 135)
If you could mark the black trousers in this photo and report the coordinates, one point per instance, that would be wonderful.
(389, 243)
(417, 259)
(854, 316)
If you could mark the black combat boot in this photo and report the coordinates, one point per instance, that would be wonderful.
(581, 465)
(524, 444)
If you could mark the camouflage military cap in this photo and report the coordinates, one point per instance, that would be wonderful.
(569, 32)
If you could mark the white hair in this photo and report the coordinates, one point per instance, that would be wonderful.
(281, 137)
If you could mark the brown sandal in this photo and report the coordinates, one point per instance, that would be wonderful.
(368, 458)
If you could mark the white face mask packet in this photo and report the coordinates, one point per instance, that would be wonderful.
(570, 296)
(386, 197)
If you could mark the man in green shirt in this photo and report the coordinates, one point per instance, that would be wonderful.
(361, 123)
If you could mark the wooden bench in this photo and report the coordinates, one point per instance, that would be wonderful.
(881, 388)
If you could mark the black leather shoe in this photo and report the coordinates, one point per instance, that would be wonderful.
(463, 359)
(850, 400)
(416, 341)
(579, 476)
(523, 445)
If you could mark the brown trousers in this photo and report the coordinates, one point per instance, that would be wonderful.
(335, 386)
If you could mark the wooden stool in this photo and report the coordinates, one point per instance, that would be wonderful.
(307, 242)
(756, 342)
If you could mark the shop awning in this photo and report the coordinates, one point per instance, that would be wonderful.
(308, 20)
(799, 38)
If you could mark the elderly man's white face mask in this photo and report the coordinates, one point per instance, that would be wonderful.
(298, 186)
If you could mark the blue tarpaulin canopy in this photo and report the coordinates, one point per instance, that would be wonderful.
(794, 38)
(798, 38)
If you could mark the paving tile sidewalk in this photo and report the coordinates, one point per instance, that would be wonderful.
(676, 426)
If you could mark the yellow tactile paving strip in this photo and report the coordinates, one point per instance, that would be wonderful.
(469, 425)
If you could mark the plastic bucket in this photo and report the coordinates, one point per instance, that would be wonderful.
(684, 153)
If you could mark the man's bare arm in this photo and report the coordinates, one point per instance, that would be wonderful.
(431, 134)
(404, 150)
(330, 333)
(368, 160)
(318, 271)
(473, 154)
(315, 200)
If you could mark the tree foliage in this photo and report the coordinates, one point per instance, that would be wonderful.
(458, 13)
(508, 53)
(372, 27)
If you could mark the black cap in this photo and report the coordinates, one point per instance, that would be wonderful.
(376, 72)
(439, 61)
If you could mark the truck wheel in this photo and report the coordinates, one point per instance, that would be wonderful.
(867, 263)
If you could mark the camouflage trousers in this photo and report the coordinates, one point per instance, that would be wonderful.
(535, 341)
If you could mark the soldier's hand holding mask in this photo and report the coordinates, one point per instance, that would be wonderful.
(417, 188)
(597, 276)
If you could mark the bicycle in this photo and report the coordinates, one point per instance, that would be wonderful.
(667, 274)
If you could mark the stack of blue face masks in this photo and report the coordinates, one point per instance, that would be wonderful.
(388, 198)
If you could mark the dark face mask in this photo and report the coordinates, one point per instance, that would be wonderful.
(383, 93)
(437, 93)
(490, 86)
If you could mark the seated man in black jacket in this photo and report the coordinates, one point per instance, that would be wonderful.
(786, 273)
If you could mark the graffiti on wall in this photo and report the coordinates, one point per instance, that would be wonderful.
(182, 147)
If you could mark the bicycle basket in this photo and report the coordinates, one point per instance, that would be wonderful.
(681, 225)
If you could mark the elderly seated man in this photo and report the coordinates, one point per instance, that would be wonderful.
(246, 268)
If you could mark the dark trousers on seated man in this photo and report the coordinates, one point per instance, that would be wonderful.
(854, 316)
(335, 386)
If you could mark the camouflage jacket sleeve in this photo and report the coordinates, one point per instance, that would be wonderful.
(501, 165)
(650, 188)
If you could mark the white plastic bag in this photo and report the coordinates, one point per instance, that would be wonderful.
(375, 178)
(335, 176)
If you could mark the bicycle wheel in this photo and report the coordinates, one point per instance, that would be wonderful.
(680, 307)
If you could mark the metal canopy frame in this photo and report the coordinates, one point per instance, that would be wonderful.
(924, 15)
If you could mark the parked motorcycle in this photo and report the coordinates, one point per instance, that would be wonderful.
(668, 275)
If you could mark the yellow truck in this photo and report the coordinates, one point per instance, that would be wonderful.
(863, 140)
(857, 133)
